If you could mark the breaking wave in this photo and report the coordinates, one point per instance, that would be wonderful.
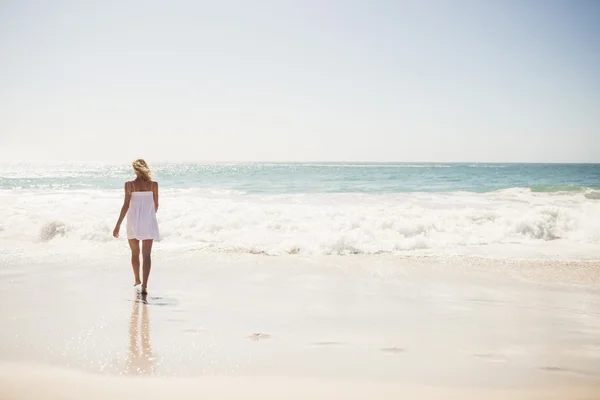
(347, 224)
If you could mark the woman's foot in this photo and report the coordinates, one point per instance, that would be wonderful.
(144, 291)
(137, 282)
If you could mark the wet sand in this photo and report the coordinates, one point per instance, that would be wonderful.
(272, 327)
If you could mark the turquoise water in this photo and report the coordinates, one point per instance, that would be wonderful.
(290, 178)
(516, 210)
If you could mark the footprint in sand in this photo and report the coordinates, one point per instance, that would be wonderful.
(325, 343)
(496, 358)
(393, 350)
(553, 369)
(191, 330)
(561, 370)
(564, 370)
(259, 336)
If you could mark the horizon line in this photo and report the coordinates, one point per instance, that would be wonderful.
(165, 161)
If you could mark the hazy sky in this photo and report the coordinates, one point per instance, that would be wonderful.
(318, 80)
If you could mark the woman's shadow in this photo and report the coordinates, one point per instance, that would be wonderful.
(140, 360)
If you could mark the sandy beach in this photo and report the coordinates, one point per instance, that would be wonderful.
(67, 385)
(375, 200)
(256, 326)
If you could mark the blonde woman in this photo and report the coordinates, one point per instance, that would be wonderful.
(140, 206)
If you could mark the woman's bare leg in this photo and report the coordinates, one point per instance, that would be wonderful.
(147, 262)
(134, 244)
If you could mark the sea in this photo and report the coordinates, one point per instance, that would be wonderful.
(310, 209)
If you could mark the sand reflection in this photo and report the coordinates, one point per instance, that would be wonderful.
(140, 360)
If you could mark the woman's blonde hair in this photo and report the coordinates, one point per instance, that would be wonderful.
(141, 169)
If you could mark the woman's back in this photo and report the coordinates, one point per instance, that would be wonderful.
(141, 215)
(142, 185)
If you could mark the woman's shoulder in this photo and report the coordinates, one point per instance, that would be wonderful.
(128, 186)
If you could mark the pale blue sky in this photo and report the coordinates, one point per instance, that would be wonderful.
(300, 80)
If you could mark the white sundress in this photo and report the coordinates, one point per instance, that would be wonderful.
(141, 217)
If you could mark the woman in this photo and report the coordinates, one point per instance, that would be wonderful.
(140, 206)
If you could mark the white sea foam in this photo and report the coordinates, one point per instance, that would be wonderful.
(355, 165)
(308, 224)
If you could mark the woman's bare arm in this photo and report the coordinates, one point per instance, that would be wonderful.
(155, 194)
(123, 211)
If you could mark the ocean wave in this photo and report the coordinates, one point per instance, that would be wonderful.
(358, 165)
(552, 189)
(476, 165)
(592, 195)
(558, 188)
(329, 224)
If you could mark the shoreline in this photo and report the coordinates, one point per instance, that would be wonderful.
(376, 325)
